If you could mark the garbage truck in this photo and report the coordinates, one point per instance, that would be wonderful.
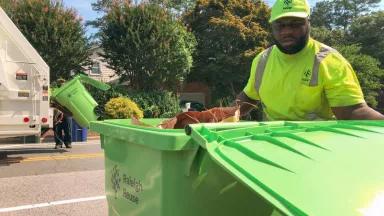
(24, 84)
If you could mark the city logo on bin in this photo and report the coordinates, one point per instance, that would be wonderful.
(115, 179)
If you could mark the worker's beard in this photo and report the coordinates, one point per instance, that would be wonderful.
(300, 44)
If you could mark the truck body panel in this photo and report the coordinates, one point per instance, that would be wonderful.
(24, 84)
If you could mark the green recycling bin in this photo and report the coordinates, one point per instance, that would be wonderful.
(332, 168)
(73, 96)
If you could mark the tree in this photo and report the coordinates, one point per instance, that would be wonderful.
(106, 5)
(179, 6)
(322, 15)
(7, 5)
(368, 32)
(350, 27)
(55, 32)
(146, 46)
(340, 13)
(176, 7)
(103, 6)
(122, 108)
(334, 37)
(230, 33)
(367, 70)
(340, 22)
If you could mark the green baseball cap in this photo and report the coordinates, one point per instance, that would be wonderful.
(290, 8)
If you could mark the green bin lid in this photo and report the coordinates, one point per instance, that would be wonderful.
(332, 168)
(81, 78)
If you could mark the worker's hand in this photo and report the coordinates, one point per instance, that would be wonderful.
(246, 104)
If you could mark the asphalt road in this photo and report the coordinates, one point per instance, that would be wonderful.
(36, 179)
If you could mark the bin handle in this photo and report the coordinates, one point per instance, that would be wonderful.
(94, 83)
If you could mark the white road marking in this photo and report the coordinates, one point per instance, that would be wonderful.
(54, 203)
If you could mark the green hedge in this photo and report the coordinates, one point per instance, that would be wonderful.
(102, 97)
(155, 104)
(122, 108)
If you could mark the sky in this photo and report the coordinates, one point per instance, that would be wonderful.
(85, 10)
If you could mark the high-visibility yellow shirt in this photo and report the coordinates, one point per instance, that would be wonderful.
(285, 91)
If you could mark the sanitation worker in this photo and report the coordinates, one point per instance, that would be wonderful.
(62, 123)
(300, 78)
(62, 129)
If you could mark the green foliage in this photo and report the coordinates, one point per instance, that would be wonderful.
(179, 6)
(122, 108)
(368, 32)
(322, 15)
(367, 71)
(7, 5)
(335, 37)
(339, 13)
(230, 33)
(351, 27)
(102, 97)
(362, 27)
(106, 5)
(146, 47)
(103, 6)
(366, 67)
(157, 104)
(54, 31)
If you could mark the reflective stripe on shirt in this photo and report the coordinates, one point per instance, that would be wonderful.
(324, 51)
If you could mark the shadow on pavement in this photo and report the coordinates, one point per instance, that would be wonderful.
(7, 159)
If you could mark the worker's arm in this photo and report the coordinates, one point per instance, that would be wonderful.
(64, 110)
(357, 112)
(246, 104)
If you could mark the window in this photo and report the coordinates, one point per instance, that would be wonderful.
(95, 68)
